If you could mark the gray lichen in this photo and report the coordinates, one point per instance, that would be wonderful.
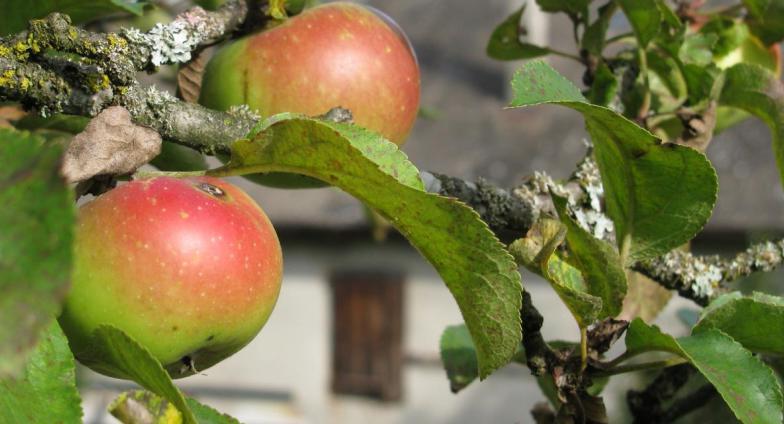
(167, 44)
(584, 193)
(698, 276)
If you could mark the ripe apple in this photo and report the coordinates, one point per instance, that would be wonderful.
(190, 268)
(337, 54)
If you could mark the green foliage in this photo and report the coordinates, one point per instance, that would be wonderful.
(174, 157)
(748, 386)
(645, 18)
(641, 338)
(537, 252)
(765, 18)
(131, 406)
(35, 242)
(71, 124)
(383, 153)
(505, 43)
(207, 415)
(115, 353)
(19, 12)
(568, 283)
(597, 261)
(595, 34)
(459, 357)
(604, 87)
(759, 92)
(697, 49)
(752, 321)
(277, 9)
(658, 195)
(571, 7)
(45, 392)
(476, 268)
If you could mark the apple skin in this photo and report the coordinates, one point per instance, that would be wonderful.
(333, 55)
(337, 54)
(190, 268)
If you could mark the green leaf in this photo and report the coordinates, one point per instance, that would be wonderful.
(385, 154)
(71, 124)
(644, 17)
(114, 353)
(604, 87)
(174, 157)
(475, 266)
(505, 41)
(765, 18)
(597, 261)
(700, 81)
(537, 252)
(641, 338)
(697, 49)
(669, 16)
(208, 415)
(596, 33)
(752, 321)
(747, 385)
(277, 9)
(459, 357)
(667, 83)
(22, 11)
(568, 283)
(142, 406)
(730, 34)
(572, 7)
(46, 390)
(658, 195)
(757, 91)
(37, 220)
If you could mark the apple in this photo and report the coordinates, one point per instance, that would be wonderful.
(190, 268)
(334, 55)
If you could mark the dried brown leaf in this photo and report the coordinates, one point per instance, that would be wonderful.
(644, 299)
(110, 144)
(190, 76)
(9, 114)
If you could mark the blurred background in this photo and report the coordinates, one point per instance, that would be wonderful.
(355, 335)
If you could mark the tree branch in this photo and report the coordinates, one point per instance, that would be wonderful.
(699, 278)
(647, 406)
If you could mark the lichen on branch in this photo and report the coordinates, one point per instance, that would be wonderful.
(55, 67)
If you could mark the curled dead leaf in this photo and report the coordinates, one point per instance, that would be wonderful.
(110, 144)
(190, 76)
(10, 114)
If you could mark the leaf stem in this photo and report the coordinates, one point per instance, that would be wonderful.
(622, 358)
(564, 54)
(646, 100)
(583, 348)
(677, 360)
(619, 37)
